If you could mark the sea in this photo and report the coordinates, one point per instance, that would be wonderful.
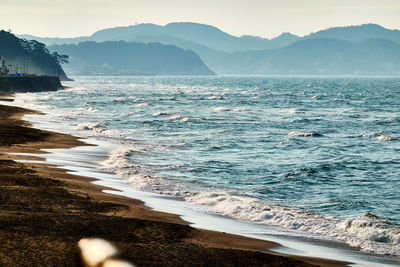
(310, 157)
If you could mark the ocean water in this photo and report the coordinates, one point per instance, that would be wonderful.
(318, 155)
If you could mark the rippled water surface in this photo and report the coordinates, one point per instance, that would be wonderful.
(305, 153)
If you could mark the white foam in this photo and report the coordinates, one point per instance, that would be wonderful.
(98, 129)
(76, 88)
(221, 109)
(385, 138)
(88, 126)
(215, 97)
(42, 98)
(117, 158)
(150, 183)
(377, 133)
(142, 105)
(175, 116)
(372, 229)
(179, 117)
(159, 113)
(239, 110)
(368, 234)
(291, 111)
(303, 134)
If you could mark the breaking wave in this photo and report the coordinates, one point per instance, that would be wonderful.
(367, 232)
(304, 134)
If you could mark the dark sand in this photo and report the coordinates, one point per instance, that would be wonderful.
(44, 213)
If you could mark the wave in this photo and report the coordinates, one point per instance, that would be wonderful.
(98, 129)
(291, 111)
(43, 98)
(135, 166)
(28, 97)
(118, 162)
(379, 136)
(239, 109)
(159, 113)
(213, 97)
(386, 138)
(172, 116)
(32, 101)
(367, 232)
(75, 88)
(89, 126)
(221, 109)
(304, 134)
(142, 105)
(182, 118)
(175, 116)
(229, 109)
(372, 134)
(33, 106)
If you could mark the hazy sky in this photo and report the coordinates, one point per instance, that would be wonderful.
(69, 18)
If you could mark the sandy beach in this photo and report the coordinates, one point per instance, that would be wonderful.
(45, 212)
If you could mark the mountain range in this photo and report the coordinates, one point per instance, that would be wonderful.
(367, 49)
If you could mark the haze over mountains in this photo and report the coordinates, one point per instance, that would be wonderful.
(367, 49)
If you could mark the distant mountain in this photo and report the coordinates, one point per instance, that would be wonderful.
(123, 58)
(202, 34)
(54, 40)
(324, 57)
(214, 59)
(363, 49)
(358, 33)
(283, 40)
(29, 56)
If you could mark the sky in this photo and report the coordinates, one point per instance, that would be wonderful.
(265, 18)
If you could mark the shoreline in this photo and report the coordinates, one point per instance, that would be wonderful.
(92, 204)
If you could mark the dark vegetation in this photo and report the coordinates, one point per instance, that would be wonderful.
(30, 56)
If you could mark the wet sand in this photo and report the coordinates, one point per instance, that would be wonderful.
(44, 213)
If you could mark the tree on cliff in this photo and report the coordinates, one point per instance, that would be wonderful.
(61, 59)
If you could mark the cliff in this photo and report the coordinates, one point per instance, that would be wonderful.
(23, 56)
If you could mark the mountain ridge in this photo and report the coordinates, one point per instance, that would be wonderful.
(150, 29)
(356, 33)
(230, 58)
